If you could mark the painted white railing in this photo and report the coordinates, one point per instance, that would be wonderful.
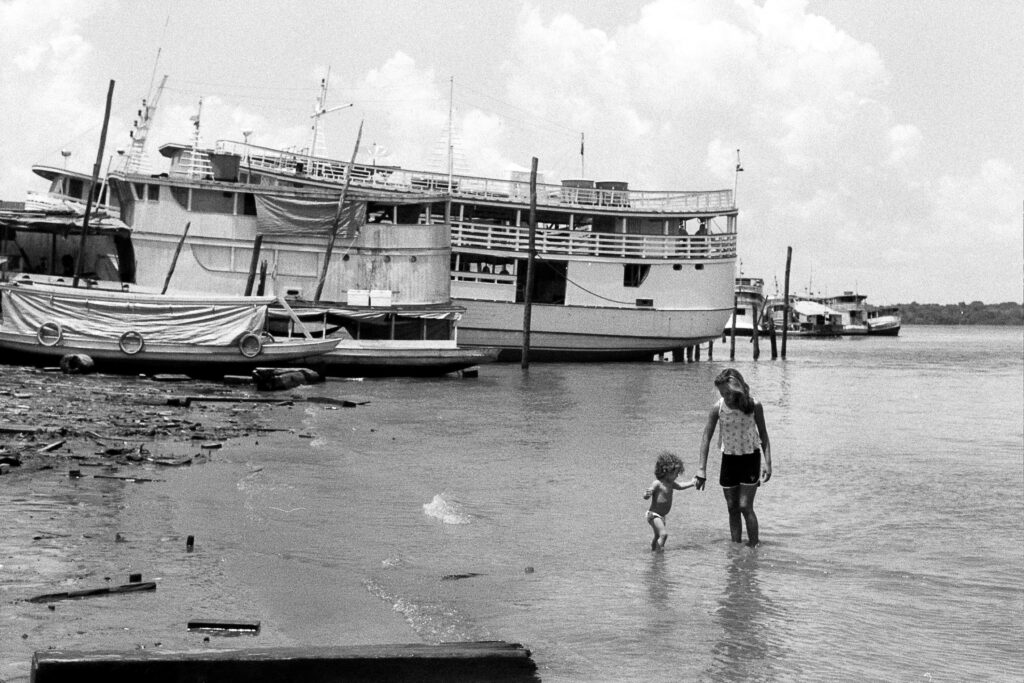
(472, 187)
(593, 244)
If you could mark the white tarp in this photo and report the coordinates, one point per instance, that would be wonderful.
(106, 315)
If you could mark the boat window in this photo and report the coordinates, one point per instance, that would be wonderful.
(212, 201)
(75, 188)
(634, 274)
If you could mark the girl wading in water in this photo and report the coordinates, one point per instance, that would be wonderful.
(743, 439)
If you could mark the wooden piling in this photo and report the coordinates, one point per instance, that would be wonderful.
(732, 341)
(257, 244)
(531, 256)
(337, 217)
(785, 318)
(174, 258)
(756, 315)
(92, 186)
(711, 349)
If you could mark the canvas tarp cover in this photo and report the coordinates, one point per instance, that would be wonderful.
(288, 216)
(61, 222)
(283, 215)
(106, 317)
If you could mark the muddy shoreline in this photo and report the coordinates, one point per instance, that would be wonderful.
(51, 420)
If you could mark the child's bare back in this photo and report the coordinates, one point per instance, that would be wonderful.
(667, 470)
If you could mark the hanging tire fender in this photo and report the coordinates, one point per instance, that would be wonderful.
(250, 345)
(131, 343)
(49, 334)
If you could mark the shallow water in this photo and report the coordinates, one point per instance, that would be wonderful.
(510, 507)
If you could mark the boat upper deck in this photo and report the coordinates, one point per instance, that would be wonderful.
(597, 197)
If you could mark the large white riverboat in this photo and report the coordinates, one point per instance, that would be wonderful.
(620, 274)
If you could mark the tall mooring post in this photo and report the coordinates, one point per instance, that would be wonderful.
(785, 318)
(531, 255)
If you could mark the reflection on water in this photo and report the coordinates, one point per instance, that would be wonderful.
(748, 621)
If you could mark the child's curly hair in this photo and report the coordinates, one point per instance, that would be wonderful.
(667, 463)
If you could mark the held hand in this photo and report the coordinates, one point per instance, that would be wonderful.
(699, 482)
(647, 493)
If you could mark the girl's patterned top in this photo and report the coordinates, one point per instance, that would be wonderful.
(737, 431)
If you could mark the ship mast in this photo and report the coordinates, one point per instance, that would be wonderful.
(135, 160)
(320, 110)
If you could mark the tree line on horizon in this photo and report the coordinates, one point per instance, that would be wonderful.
(974, 313)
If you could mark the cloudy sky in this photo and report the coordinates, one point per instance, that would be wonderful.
(882, 139)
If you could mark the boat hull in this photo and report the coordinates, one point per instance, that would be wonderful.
(194, 360)
(386, 359)
(568, 333)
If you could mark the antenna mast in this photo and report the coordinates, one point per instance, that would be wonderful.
(135, 159)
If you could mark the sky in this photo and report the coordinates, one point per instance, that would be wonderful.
(882, 140)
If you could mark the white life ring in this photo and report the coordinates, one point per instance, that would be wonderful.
(131, 342)
(49, 334)
(250, 345)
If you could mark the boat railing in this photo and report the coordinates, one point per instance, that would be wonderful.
(593, 244)
(394, 178)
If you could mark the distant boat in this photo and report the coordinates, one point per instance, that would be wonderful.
(806, 318)
(852, 310)
(749, 303)
(859, 317)
(884, 321)
(129, 331)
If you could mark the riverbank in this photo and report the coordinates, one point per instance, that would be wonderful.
(148, 475)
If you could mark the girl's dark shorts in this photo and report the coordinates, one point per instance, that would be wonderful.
(740, 469)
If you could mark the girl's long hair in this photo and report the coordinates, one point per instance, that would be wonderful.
(738, 392)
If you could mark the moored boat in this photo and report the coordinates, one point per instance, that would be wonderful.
(806, 318)
(749, 293)
(620, 274)
(130, 331)
(884, 321)
(853, 313)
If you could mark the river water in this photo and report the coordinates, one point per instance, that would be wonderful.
(510, 507)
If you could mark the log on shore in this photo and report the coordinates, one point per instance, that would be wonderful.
(487, 661)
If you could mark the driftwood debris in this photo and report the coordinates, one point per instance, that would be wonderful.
(91, 592)
(222, 625)
(485, 661)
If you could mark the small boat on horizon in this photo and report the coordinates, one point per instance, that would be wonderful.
(807, 318)
(859, 318)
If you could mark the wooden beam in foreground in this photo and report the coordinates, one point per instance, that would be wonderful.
(486, 661)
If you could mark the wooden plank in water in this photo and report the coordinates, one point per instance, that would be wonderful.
(486, 662)
(90, 592)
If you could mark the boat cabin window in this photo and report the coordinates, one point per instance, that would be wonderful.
(147, 192)
(634, 274)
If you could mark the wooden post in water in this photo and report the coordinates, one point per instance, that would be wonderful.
(771, 333)
(253, 262)
(95, 180)
(711, 349)
(785, 318)
(732, 336)
(337, 217)
(756, 315)
(263, 278)
(174, 259)
(528, 289)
